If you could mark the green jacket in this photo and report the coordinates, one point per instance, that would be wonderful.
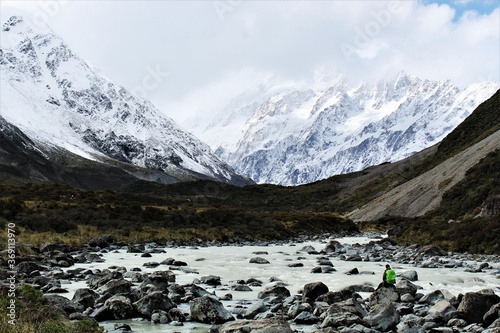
(390, 276)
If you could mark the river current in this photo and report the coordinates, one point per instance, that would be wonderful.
(231, 263)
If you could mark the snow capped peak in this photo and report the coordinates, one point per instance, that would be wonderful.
(299, 134)
(58, 100)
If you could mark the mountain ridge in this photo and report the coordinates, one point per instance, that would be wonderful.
(58, 100)
(294, 135)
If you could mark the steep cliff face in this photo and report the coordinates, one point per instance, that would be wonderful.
(58, 100)
(293, 135)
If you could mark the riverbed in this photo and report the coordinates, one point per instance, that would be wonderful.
(231, 263)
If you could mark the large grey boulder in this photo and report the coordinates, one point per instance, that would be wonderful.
(86, 297)
(116, 286)
(382, 317)
(153, 301)
(120, 306)
(475, 305)
(408, 275)
(207, 310)
(383, 295)
(311, 291)
(272, 325)
(255, 309)
(443, 310)
(406, 287)
(432, 297)
(276, 289)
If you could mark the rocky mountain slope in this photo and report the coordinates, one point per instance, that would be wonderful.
(294, 135)
(446, 165)
(66, 107)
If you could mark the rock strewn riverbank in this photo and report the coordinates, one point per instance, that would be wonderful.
(118, 293)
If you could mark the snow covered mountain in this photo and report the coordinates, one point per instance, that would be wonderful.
(59, 101)
(289, 135)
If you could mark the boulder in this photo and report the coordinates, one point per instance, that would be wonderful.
(341, 319)
(101, 313)
(274, 289)
(120, 306)
(207, 310)
(116, 286)
(198, 291)
(324, 262)
(86, 297)
(332, 246)
(259, 260)
(475, 305)
(26, 267)
(432, 250)
(408, 275)
(432, 297)
(406, 287)
(179, 263)
(348, 306)
(382, 317)
(255, 309)
(271, 325)
(295, 265)
(177, 315)
(151, 302)
(444, 310)
(297, 308)
(335, 296)
(135, 248)
(62, 303)
(306, 318)
(101, 241)
(411, 324)
(492, 314)
(151, 264)
(383, 295)
(311, 291)
(211, 280)
(159, 279)
(159, 317)
(99, 280)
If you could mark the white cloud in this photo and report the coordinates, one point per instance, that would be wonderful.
(212, 52)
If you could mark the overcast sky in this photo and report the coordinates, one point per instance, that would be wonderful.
(188, 56)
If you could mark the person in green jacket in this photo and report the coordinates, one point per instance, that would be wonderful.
(389, 277)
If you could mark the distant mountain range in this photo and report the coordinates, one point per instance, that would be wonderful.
(56, 105)
(62, 120)
(289, 134)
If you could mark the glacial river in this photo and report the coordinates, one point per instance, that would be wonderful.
(231, 263)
